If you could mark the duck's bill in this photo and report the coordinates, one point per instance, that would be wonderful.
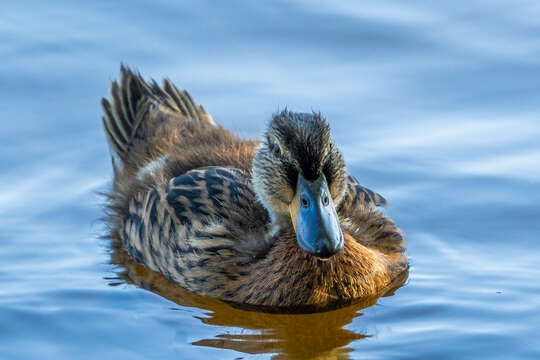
(315, 218)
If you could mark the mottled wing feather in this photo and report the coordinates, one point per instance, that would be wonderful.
(197, 228)
(210, 194)
(356, 195)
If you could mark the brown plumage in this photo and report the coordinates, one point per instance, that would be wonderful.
(210, 211)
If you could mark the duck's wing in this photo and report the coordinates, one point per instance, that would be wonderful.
(357, 195)
(197, 225)
(214, 194)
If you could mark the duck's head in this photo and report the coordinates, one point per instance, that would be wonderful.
(299, 175)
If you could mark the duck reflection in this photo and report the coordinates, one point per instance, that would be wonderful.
(319, 335)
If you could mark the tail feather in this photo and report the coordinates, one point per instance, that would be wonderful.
(184, 101)
(124, 113)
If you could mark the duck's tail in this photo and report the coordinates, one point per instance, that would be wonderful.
(132, 101)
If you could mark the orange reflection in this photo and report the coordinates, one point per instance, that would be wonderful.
(298, 336)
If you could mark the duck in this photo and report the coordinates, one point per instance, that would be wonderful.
(275, 222)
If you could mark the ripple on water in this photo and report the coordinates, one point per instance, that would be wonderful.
(435, 106)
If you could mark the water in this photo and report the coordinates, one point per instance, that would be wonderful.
(434, 105)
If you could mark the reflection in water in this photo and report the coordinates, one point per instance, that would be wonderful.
(298, 336)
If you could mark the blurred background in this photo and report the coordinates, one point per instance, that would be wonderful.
(435, 106)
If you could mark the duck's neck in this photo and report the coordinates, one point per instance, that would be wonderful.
(288, 276)
(278, 224)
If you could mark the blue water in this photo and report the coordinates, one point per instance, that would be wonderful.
(435, 105)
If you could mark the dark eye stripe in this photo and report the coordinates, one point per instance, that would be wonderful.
(292, 174)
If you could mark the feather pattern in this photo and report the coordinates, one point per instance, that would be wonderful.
(131, 101)
(358, 196)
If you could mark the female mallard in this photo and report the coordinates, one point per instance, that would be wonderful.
(275, 223)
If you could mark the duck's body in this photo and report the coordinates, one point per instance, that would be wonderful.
(190, 202)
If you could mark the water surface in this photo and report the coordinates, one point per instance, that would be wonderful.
(435, 106)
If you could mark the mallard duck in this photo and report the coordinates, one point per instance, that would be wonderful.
(276, 222)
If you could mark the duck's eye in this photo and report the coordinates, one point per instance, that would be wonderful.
(275, 148)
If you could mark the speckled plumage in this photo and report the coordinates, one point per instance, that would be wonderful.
(184, 204)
